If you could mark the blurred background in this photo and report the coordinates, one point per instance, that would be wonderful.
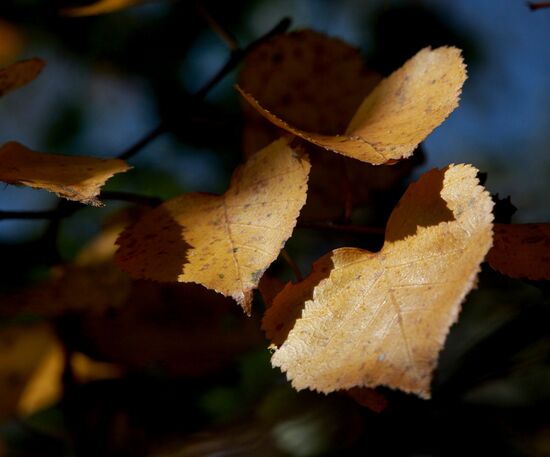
(110, 79)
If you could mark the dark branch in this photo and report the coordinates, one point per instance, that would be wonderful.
(236, 56)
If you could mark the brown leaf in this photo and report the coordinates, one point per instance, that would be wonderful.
(11, 43)
(313, 81)
(382, 318)
(100, 7)
(179, 329)
(70, 177)
(18, 74)
(398, 114)
(297, 76)
(369, 398)
(521, 251)
(222, 242)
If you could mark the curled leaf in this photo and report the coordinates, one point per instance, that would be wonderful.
(521, 251)
(381, 318)
(18, 74)
(398, 114)
(70, 177)
(223, 242)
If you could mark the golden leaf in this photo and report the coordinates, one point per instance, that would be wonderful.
(18, 74)
(381, 318)
(70, 177)
(100, 7)
(222, 242)
(521, 251)
(398, 114)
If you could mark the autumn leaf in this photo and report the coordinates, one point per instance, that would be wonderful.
(70, 177)
(223, 242)
(398, 114)
(23, 349)
(178, 329)
(18, 74)
(313, 81)
(100, 7)
(521, 251)
(373, 319)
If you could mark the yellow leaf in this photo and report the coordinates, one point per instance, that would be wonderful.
(398, 114)
(45, 386)
(381, 318)
(18, 74)
(100, 7)
(70, 177)
(521, 251)
(223, 242)
(23, 349)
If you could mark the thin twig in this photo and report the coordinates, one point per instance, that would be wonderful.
(144, 200)
(236, 56)
(342, 228)
(45, 214)
(226, 36)
(537, 6)
(292, 264)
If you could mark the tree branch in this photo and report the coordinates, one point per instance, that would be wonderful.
(236, 56)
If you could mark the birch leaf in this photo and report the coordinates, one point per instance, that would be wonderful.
(223, 242)
(70, 177)
(398, 114)
(382, 318)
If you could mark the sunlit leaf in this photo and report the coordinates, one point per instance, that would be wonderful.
(398, 114)
(223, 242)
(70, 177)
(381, 318)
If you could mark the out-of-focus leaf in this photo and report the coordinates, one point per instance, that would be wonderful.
(521, 251)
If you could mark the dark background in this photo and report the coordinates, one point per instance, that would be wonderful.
(110, 79)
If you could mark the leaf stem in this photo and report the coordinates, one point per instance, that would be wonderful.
(292, 264)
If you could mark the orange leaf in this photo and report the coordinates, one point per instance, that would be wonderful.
(381, 318)
(521, 251)
(398, 114)
(11, 43)
(73, 178)
(18, 74)
(100, 7)
(222, 242)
